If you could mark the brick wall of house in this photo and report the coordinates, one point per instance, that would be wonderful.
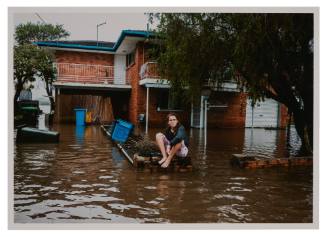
(132, 73)
(232, 116)
(84, 58)
(137, 104)
(158, 118)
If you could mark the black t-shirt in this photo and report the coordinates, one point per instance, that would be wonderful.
(178, 136)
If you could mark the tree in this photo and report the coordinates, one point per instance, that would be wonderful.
(24, 66)
(30, 32)
(30, 60)
(46, 71)
(271, 55)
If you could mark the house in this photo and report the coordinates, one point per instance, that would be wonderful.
(118, 80)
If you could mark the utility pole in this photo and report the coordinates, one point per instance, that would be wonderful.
(98, 25)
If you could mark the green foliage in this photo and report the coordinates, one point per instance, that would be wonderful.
(270, 55)
(30, 60)
(30, 32)
(193, 50)
(24, 63)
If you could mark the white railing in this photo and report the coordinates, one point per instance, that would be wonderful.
(149, 70)
(85, 73)
(224, 85)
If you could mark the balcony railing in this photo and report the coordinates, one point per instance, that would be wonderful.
(85, 73)
(227, 85)
(149, 70)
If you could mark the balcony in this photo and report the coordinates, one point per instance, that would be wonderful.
(230, 85)
(89, 75)
(149, 70)
(149, 74)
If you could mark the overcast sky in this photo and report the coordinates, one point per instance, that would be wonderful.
(82, 26)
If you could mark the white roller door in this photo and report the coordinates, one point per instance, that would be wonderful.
(264, 114)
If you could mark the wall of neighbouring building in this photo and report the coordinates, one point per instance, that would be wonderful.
(84, 58)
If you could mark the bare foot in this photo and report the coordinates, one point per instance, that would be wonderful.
(166, 163)
(162, 160)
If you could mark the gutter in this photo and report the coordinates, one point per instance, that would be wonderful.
(122, 36)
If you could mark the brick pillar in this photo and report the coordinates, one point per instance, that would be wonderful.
(138, 93)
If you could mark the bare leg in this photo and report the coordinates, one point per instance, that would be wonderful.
(160, 142)
(173, 151)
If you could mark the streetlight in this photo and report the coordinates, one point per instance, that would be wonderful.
(98, 25)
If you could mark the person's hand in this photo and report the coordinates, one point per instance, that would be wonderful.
(168, 149)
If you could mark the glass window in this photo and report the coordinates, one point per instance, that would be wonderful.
(165, 101)
(130, 59)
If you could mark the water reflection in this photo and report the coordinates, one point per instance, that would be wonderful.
(85, 178)
(79, 131)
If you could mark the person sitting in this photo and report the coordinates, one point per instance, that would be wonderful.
(173, 141)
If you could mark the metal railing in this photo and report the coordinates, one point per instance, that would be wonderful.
(85, 73)
(214, 84)
(149, 70)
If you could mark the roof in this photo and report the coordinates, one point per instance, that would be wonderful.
(85, 43)
(92, 44)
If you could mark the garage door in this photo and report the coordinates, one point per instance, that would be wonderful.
(264, 114)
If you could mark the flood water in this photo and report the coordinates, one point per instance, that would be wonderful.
(85, 178)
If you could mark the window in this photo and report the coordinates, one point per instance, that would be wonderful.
(130, 59)
(165, 101)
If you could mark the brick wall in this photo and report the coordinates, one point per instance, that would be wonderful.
(84, 58)
(137, 103)
(158, 118)
(232, 116)
(138, 93)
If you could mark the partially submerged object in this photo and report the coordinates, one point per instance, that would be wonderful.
(144, 154)
(30, 135)
(180, 164)
(255, 161)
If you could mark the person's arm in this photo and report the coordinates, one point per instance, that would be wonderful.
(181, 134)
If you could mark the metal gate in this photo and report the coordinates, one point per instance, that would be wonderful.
(197, 114)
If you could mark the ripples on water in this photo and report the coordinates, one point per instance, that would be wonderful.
(85, 179)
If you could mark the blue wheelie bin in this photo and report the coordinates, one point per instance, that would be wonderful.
(80, 116)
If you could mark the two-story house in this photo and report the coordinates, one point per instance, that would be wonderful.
(118, 80)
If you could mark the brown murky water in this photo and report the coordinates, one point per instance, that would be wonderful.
(84, 178)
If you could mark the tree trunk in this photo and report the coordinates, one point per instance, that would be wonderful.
(286, 97)
(302, 129)
(49, 93)
(19, 88)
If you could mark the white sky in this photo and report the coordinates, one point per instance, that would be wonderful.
(82, 26)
